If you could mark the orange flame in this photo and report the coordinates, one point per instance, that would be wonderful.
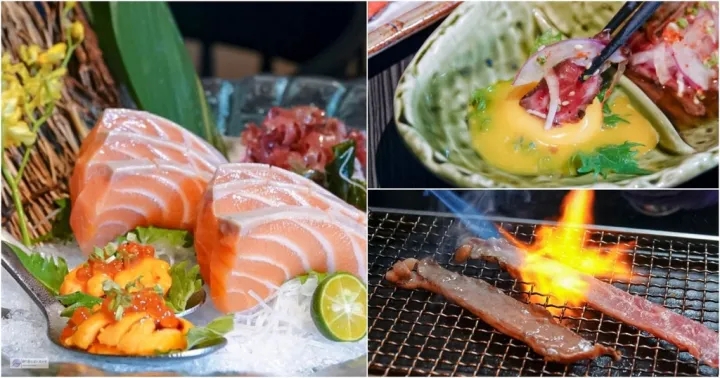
(559, 252)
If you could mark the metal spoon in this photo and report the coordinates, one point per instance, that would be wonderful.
(51, 309)
(193, 304)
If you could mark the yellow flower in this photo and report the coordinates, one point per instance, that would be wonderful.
(77, 31)
(54, 86)
(45, 87)
(29, 54)
(15, 130)
(11, 110)
(12, 71)
(54, 55)
(18, 133)
(57, 73)
(6, 61)
(22, 71)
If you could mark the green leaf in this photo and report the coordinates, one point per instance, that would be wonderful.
(145, 50)
(548, 37)
(613, 158)
(185, 283)
(76, 300)
(610, 119)
(49, 271)
(338, 176)
(319, 275)
(88, 10)
(60, 230)
(163, 236)
(199, 336)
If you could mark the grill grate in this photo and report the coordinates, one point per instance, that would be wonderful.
(419, 333)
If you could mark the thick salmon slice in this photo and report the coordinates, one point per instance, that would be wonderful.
(259, 226)
(137, 169)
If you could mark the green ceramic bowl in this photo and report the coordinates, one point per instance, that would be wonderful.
(483, 42)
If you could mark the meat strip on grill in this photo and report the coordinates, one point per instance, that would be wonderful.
(529, 323)
(657, 320)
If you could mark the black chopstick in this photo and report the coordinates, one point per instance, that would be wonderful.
(637, 19)
(622, 15)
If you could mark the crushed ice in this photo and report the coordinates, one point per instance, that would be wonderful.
(278, 338)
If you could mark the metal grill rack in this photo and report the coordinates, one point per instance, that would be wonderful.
(419, 333)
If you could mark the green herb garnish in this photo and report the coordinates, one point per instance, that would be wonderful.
(214, 331)
(548, 37)
(185, 283)
(541, 60)
(479, 103)
(98, 254)
(134, 284)
(338, 176)
(479, 100)
(613, 158)
(120, 298)
(520, 145)
(320, 276)
(712, 61)
(603, 91)
(49, 271)
(76, 300)
(682, 22)
(610, 119)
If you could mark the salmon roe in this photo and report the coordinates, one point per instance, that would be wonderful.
(147, 300)
(79, 316)
(127, 254)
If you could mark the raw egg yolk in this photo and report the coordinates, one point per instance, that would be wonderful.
(509, 138)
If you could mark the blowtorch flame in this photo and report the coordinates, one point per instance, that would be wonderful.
(558, 254)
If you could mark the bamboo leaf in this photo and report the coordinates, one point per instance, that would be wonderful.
(145, 50)
(88, 10)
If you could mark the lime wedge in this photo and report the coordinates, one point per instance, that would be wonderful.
(339, 307)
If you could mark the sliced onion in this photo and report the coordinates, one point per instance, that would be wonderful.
(618, 74)
(696, 32)
(532, 71)
(536, 113)
(554, 89)
(642, 57)
(690, 66)
(714, 17)
(660, 63)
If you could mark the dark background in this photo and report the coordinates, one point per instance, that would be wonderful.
(310, 38)
(391, 164)
(698, 214)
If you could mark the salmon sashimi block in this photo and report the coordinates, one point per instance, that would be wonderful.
(259, 226)
(137, 169)
(375, 7)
